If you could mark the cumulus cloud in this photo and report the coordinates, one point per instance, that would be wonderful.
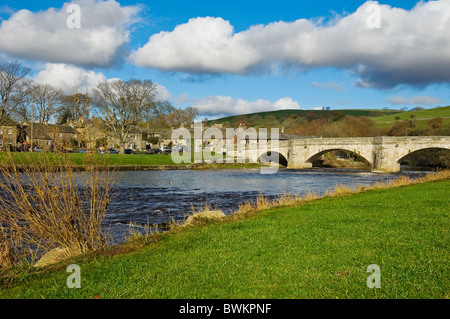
(202, 45)
(162, 93)
(226, 105)
(73, 79)
(45, 36)
(419, 100)
(69, 78)
(410, 47)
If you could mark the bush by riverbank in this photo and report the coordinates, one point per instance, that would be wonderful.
(307, 248)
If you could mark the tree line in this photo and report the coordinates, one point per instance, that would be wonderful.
(122, 106)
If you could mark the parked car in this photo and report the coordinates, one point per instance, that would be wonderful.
(109, 151)
(152, 151)
(180, 149)
(128, 151)
(165, 150)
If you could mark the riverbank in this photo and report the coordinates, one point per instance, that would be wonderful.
(119, 162)
(310, 248)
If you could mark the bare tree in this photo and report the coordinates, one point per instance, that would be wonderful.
(12, 79)
(45, 99)
(167, 116)
(22, 101)
(123, 105)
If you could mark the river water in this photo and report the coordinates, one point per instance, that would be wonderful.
(155, 197)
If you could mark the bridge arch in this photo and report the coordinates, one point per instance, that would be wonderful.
(265, 158)
(431, 158)
(355, 153)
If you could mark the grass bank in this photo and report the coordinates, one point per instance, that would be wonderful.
(118, 161)
(310, 248)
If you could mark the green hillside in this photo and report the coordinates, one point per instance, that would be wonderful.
(281, 115)
(420, 117)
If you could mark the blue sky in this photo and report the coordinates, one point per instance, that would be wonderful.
(232, 57)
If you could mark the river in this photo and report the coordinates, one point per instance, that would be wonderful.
(155, 197)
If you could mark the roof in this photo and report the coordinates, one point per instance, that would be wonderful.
(42, 131)
(38, 132)
(56, 128)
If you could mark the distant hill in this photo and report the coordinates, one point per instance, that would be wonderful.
(281, 115)
(420, 117)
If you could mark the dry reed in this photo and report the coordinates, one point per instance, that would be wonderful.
(46, 204)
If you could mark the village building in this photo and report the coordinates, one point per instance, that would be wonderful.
(48, 137)
(8, 137)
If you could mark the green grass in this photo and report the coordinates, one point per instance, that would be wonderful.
(81, 159)
(318, 250)
(280, 114)
(420, 117)
(107, 159)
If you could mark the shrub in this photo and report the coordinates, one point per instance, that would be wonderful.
(45, 204)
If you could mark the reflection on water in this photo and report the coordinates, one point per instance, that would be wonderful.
(154, 197)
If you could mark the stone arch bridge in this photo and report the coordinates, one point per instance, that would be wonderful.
(383, 153)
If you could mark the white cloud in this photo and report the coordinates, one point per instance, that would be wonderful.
(44, 36)
(69, 78)
(419, 100)
(226, 105)
(201, 45)
(162, 93)
(286, 103)
(73, 79)
(411, 47)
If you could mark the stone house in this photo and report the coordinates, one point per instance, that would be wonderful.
(8, 137)
(48, 136)
(37, 137)
(64, 137)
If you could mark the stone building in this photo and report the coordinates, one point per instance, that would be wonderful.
(8, 137)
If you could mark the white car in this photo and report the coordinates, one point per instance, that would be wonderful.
(165, 149)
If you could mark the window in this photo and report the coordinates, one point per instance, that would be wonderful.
(1, 143)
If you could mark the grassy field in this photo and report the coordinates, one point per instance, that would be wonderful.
(420, 117)
(320, 249)
(81, 159)
(281, 114)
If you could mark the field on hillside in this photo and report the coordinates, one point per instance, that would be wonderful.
(420, 117)
(382, 118)
(283, 114)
